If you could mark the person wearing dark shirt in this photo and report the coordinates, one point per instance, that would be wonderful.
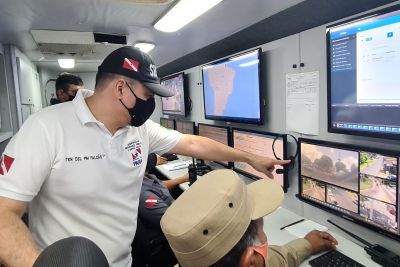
(67, 85)
(150, 246)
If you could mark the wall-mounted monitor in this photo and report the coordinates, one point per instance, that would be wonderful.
(260, 143)
(174, 105)
(363, 56)
(185, 127)
(167, 123)
(217, 133)
(231, 89)
(356, 183)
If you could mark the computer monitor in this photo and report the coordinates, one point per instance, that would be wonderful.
(167, 123)
(363, 78)
(185, 127)
(217, 133)
(174, 105)
(356, 183)
(231, 89)
(260, 143)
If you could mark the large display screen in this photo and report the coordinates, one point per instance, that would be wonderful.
(260, 144)
(363, 78)
(185, 127)
(174, 105)
(231, 89)
(167, 123)
(357, 183)
(216, 133)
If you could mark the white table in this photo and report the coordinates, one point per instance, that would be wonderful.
(281, 217)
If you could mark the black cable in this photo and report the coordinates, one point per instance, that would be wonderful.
(291, 158)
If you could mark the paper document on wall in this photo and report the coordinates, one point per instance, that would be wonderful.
(301, 229)
(302, 102)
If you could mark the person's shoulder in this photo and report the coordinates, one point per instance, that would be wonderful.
(54, 113)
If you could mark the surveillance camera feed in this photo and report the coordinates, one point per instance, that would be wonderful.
(360, 185)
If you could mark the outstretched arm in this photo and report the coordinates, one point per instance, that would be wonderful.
(207, 149)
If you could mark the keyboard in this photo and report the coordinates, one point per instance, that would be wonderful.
(334, 258)
(170, 157)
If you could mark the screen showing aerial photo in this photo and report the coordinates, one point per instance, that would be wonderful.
(342, 198)
(379, 213)
(314, 189)
(331, 165)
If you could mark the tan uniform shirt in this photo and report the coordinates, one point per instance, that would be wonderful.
(290, 255)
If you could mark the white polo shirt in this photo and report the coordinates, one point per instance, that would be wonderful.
(80, 179)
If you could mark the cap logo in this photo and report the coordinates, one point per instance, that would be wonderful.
(153, 71)
(151, 201)
(130, 64)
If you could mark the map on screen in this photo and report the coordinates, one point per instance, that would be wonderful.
(231, 88)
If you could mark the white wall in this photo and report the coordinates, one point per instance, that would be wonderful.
(28, 85)
(88, 78)
(277, 59)
(47, 86)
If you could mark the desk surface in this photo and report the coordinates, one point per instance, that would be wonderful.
(274, 221)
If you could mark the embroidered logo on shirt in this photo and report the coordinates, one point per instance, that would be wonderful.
(150, 202)
(5, 164)
(135, 149)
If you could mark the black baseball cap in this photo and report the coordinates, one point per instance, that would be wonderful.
(133, 63)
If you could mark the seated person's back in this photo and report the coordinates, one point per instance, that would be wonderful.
(154, 201)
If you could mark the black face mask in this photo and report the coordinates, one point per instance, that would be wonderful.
(71, 97)
(141, 111)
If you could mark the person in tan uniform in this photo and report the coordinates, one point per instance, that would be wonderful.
(218, 222)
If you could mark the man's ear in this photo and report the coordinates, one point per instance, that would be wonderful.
(59, 92)
(118, 87)
(247, 259)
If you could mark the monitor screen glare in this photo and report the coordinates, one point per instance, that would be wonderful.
(232, 89)
(363, 87)
(185, 127)
(219, 134)
(174, 105)
(259, 144)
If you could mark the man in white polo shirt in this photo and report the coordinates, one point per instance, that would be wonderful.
(81, 175)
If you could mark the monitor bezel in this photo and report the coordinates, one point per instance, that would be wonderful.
(259, 121)
(184, 121)
(389, 153)
(185, 94)
(285, 154)
(170, 119)
(332, 129)
(229, 165)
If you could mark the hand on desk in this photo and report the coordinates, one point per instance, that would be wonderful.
(320, 241)
(161, 160)
(266, 165)
(170, 184)
(184, 178)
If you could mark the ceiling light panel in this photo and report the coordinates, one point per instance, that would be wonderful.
(182, 13)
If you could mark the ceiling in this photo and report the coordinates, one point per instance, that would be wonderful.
(127, 17)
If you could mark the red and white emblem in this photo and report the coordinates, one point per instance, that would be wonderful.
(130, 64)
(5, 164)
(150, 202)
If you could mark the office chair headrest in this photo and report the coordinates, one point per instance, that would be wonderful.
(72, 252)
